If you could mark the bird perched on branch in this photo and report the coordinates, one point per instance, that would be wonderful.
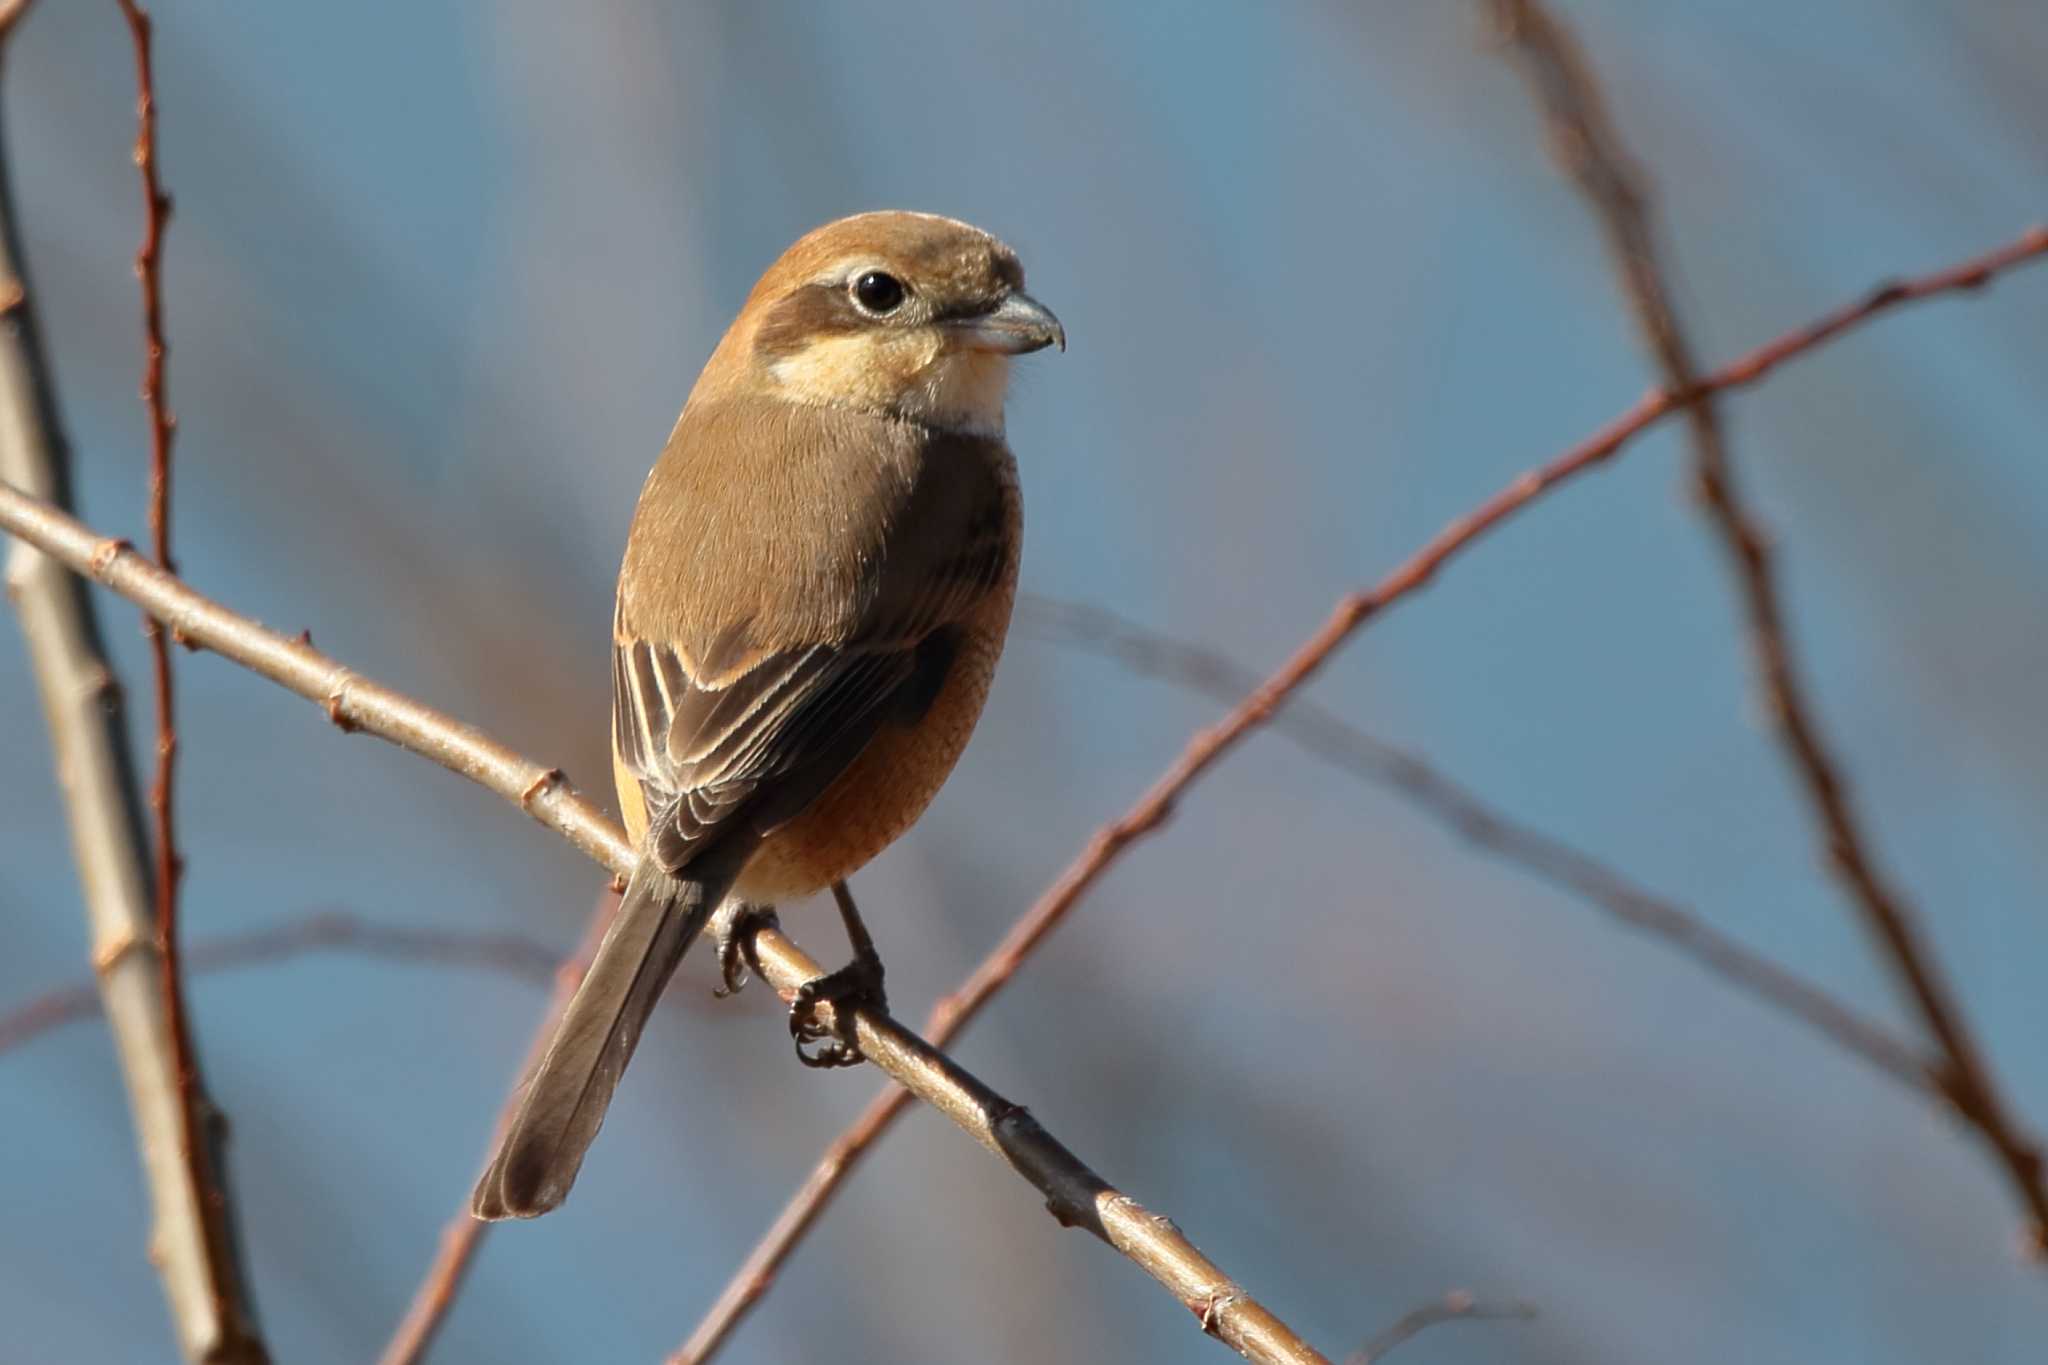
(815, 591)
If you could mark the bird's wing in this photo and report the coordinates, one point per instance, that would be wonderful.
(704, 750)
(769, 734)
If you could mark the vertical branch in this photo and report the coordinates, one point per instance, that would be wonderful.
(191, 1239)
(1590, 151)
(170, 867)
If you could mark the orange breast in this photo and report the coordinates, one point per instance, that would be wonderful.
(882, 792)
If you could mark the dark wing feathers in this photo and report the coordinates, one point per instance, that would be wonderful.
(702, 752)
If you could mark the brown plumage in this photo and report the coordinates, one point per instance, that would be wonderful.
(815, 592)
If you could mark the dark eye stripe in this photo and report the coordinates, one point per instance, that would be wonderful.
(815, 310)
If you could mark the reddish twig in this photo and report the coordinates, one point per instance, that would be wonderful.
(462, 1235)
(1589, 148)
(149, 271)
(954, 1011)
(201, 1130)
(156, 213)
(197, 1107)
(325, 931)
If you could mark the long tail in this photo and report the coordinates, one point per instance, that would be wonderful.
(568, 1093)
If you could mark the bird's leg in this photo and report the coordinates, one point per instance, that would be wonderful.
(867, 963)
(858, 983)
(733, 936)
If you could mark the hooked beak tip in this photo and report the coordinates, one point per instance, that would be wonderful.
(1018, 325)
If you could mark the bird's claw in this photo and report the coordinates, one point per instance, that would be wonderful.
(857, 985)
(733, 937)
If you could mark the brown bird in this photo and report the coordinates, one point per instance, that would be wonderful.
(815, 592)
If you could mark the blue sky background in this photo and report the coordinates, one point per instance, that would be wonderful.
(440, 278)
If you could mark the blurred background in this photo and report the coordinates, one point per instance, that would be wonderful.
(439, 280)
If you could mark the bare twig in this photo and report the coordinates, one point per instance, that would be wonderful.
(156, 213)
(1324, 735)
(324, 931)
(1074, 1194)
(170, 867)
(202, 1118)
(757, 1273)
(1589, 148)
(1453, 1307)
(192, 1235)
(462, 1235)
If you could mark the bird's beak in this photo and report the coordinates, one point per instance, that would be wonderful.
(1018, 325)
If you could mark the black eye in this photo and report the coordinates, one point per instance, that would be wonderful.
(878, 292)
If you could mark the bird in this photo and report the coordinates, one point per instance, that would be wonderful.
(815, 590)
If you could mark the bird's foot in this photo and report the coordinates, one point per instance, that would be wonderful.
(857, 985)
(733, 937)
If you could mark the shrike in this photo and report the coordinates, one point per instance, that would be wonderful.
(815, 592)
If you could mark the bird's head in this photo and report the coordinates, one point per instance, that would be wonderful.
(905, 315)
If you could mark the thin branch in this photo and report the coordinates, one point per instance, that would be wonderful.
(1074, 1194)
(201, 1115)
(757, 1273)
(1587, 144)
(324, 931)
(156, 213)
(1456, 1306)
(170, 867)
(191, 1240)
(463, 1235)
(1324, 735)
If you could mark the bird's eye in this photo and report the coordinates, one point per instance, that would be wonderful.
(878, 292)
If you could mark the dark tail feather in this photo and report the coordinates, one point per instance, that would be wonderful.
(568, 1093)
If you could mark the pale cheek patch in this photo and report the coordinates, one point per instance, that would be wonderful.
(848, 371)
(912, 376)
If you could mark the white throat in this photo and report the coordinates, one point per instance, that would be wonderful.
(961, 391)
